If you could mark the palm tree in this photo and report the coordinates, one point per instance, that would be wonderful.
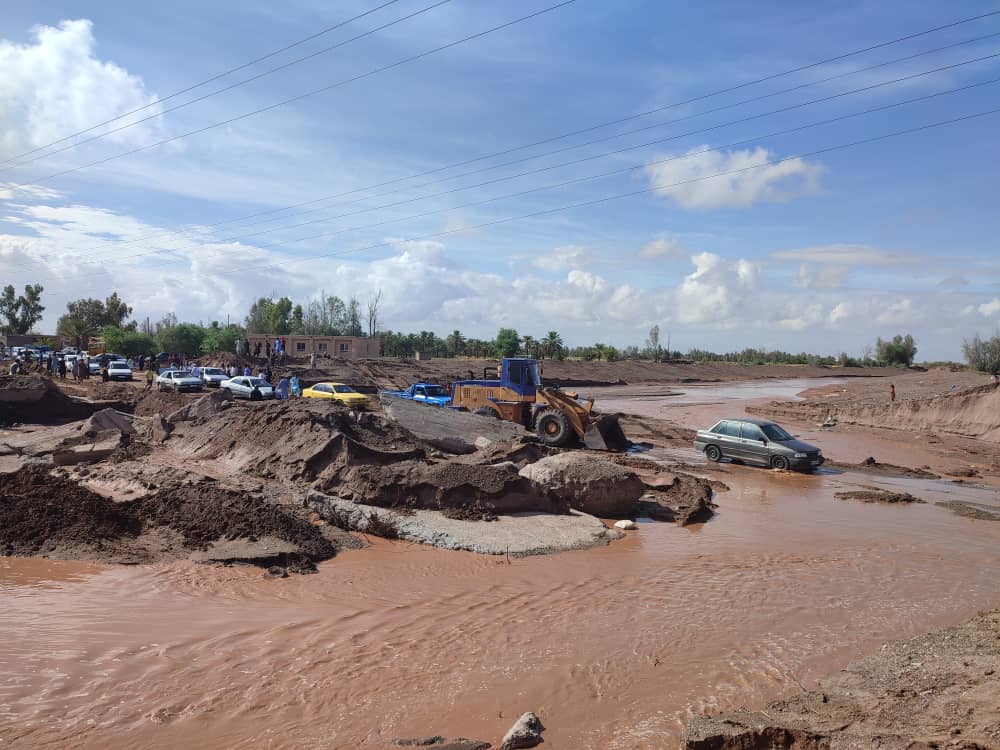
(529, 343)
(552, 344)
(456, 342)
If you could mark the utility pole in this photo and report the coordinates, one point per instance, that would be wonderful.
(668, 345)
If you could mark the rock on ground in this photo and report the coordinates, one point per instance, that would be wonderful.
(448, 429)
(203, 408)
(587, 483)
(939, 690)
(526, 733)
(518, 534)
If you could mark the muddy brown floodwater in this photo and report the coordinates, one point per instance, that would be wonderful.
(613, 648)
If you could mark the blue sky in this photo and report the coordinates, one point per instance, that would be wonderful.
(821, 253)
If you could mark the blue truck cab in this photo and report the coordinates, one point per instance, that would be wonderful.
(427, 393)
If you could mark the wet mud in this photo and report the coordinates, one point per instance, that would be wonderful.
(878, 496)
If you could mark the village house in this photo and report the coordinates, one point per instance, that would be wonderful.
(345, 347)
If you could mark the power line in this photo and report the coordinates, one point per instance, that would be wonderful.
(198, 85)
(592, 128)
(600, 156)
(640, 166)
(314, 92)
(232, 86)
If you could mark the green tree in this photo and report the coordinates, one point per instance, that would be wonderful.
(983, 354)
(456, 343)
(21, 312)
(354, 318)
(183, 338)
(552, 345)
(508, 343)
(900, 350)
(530, 346)
(122, 341)
(219, 338)
(87, 317)
(653, 343)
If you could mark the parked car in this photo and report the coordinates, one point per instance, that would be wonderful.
(178, 380)
(118, 369)
(336, 392)
(213, 376)
(426, 393)
(94, 366)
(757, 441)
(252, 388)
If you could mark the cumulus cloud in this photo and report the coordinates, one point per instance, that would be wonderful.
(824, 277)
(56, 86)
(664, 247)
(717, 290)
(563, 258)
(990, 308)
(900, 312)
(689, 180)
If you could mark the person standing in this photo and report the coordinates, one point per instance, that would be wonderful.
(892, 392)
(312, 360)
(295, 386)
(281, 391)
(62, 368)
(149, 378)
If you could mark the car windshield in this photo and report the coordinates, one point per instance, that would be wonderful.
(436, 390)
(775, 433)
(533, 375)
(258, 382)
(213, 371)
(118, 365)
(343, 389)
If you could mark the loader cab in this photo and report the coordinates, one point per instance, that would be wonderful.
(521, 375)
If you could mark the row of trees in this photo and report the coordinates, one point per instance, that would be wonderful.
(327, 316)
(983, 354)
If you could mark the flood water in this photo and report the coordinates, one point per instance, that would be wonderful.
(613, 648)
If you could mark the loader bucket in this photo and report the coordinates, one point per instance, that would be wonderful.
(605, 434)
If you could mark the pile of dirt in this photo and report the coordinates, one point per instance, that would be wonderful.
(159, 402)
(120, 392)
(938, 690)
(296, 441)
(35, 399)
(52, 516)
(871, 466)
(686, 500)
(975, 511)
(878, 496)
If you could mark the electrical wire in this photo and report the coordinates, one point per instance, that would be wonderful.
(300, 97)
(232, 86)
(207, 81)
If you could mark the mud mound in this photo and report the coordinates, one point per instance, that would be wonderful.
(938, 690)
(468, 490)
(45, 515)
(206, 514)
(300, 440)
(116, 392)
(684, 501)
(971, 412)
(37, 400)
(159, 402)
(878, 496)
(871, 466)
(972, 510)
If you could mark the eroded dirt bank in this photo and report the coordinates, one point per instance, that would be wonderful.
(939, 690)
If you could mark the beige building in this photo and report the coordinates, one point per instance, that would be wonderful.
(345, 347)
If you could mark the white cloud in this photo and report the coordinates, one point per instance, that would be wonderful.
(57, 86)
(990, 308)
(11, 190)
(766, 184)
(900, 312)
(839, 313)
(716, 290)
(848, 255)
(664, 247)
(824, 277)
(563, 258)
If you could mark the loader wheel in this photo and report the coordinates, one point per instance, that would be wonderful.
(485, 411)
(553, 428)
(712, 453)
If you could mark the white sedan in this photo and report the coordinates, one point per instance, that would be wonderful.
(119, 370)
(178, 380)
(252, 388)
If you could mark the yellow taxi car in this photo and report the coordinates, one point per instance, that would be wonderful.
(337, 392)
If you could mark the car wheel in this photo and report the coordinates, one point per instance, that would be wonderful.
(779, 462)
(712, 453)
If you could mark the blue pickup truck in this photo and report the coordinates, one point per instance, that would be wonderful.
(427, 393)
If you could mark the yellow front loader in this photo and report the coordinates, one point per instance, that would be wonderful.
(557, 417)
